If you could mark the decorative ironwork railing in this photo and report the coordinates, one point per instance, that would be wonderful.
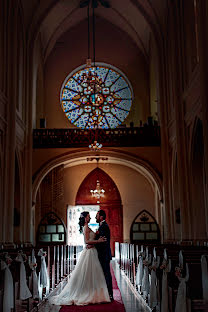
(129, 137)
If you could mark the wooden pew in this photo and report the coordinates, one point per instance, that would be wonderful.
(127, 258)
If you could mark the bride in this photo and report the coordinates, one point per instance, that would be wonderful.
(87, 283)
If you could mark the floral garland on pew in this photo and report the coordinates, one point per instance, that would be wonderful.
(6, 258)
(24, 256)
(33, 265)
(178, 271)
(146, 263)
(155, 266)
(165, 264)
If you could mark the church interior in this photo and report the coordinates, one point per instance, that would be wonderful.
(103, 105)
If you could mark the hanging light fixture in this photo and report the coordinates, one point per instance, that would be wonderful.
(98, 192)
(89, 79)
(95, 146)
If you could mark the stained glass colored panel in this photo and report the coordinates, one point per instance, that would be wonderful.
(125, 104)
(67, 106)
(96, 97)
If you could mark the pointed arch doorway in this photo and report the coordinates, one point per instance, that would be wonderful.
(110, 203)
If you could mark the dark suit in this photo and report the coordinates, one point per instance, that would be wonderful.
(104, 254)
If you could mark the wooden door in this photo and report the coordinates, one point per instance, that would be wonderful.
(110, 203)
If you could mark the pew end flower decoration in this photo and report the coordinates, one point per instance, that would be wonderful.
(6, 258)
(178, 271)
(164, 265)
(146, 262)
(33, 265)
(141, 254)
(153, 267)
(42, 253)
(24, 256)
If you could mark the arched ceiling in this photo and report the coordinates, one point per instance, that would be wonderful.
(52, 18)
(113, 157)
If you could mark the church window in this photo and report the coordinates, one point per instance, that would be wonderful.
(51, 230)
(96, 97)
(144, 228)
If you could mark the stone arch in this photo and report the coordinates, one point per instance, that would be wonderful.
(77, 158)
(114, 157)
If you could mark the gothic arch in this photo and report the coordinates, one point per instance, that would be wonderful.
(77, 158)
(110, 203)
(145, 228)
(111, 195)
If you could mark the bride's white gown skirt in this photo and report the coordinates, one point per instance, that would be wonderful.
(87, 283)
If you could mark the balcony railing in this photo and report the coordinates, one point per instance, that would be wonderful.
(119, 137)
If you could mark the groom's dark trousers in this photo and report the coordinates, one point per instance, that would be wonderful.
(104, 254)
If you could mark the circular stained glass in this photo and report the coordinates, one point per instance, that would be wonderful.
(96, 97)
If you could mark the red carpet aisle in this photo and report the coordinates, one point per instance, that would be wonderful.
(115, 306)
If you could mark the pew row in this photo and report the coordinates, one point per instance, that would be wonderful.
(162, 275)
(34, 273)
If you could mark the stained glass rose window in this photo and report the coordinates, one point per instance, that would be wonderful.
(96, 97)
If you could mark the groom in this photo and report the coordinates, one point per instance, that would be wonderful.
(103, 249)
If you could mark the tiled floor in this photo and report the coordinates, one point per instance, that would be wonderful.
(133, 302)
(131, 299)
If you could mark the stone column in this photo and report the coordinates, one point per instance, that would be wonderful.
(181, 146)
(203, 68)
(30, 96)
(11, 125)
(166, 202)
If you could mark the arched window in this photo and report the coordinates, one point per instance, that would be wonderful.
(51, 230)
(96, 97)
(145, 229)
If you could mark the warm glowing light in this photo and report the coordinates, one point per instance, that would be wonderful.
(98, 192)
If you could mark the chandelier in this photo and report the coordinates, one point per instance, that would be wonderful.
(98, 192)
(89, 80)
(95, 146)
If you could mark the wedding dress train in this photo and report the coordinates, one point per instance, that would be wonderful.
(87, 283)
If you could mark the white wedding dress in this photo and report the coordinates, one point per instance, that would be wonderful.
(87, 283)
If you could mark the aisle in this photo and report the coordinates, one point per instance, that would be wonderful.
(126, 298)
(132, 301)
(115, 306)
